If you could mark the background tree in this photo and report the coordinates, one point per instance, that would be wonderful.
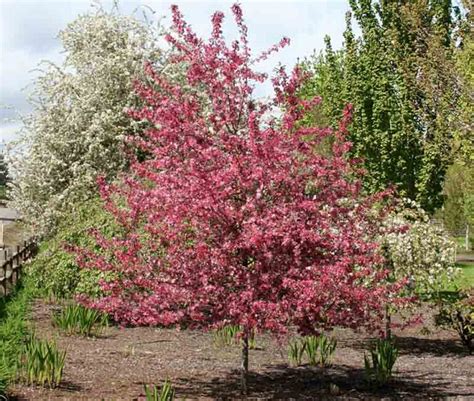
(398, 75)
(78, 125)
(3, 175)
(464, 123)
(235, 219)
(458, 208)
(3, 170)
(419, 250)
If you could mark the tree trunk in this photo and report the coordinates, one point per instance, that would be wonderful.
(466, 239)
(388, 323)
(244, 369)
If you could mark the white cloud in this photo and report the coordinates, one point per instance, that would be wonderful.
(28, 31)
(9, 131)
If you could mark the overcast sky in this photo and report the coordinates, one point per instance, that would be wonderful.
(29, 28)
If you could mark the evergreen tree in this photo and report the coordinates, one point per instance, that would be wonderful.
(3, 171)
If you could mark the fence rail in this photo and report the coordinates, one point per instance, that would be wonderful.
(11, 265)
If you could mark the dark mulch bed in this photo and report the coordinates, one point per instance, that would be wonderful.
(116, 365)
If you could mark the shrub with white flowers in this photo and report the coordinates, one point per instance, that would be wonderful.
(78, 125)
(419, 250)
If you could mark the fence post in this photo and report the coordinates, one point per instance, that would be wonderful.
(18, 263)
(9, 281)
(5, 271)
(4, 278)
(13, 263)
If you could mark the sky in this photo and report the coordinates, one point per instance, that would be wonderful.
(29, 29)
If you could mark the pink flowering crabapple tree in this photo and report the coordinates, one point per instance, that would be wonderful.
(233, 217)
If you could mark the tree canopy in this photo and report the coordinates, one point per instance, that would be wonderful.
(399, 77)
(78, 125)
(234, 218)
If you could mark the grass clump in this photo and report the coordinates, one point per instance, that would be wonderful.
(327, 347)
(14, 330)
(79, 320)
(41, 362)
(154, 393)
(229, 335)
(296, 350)
(379, 367)
(311, 345)
(318, 349)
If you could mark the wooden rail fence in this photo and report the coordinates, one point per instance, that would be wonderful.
(12, 263)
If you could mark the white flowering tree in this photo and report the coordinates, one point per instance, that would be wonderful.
(420, 250)
(78, 125)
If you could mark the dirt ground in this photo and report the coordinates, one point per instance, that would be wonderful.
(116, 365)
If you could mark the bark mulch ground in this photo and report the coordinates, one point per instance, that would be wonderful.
(116, 365)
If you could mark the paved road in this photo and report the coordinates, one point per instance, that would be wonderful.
(465, 257)
(8, 215)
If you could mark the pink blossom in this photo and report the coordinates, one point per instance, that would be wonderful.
(230, 220)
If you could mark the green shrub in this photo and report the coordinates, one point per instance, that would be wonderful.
(76, 319)
(41, 362)
(457, 312)
(3, 194)
(54, 271)
(153, 393)
(378, 368)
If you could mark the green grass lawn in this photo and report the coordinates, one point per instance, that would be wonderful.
(466, 278)
(14, 328)
(461, 244)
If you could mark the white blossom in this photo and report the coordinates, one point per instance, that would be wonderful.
(420, 250)
(78, 125)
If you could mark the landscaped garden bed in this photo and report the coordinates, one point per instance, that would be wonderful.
(200, 240)
(117, 364)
